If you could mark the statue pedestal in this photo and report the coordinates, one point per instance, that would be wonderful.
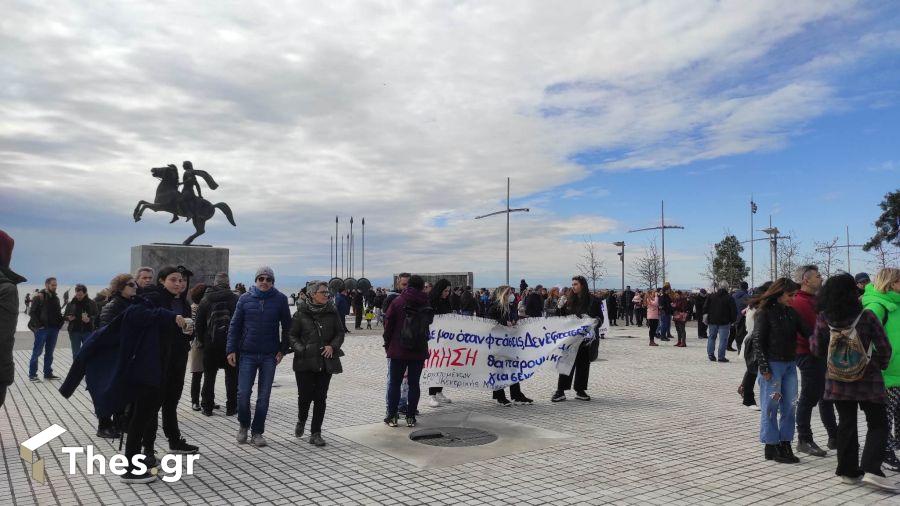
(203, 261)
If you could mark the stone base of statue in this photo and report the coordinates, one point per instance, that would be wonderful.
(203, 261)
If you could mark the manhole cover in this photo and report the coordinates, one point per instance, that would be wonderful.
(453, 436)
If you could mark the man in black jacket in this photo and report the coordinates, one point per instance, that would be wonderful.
(534, 303)
(46, 320)
(213, 318)
(358, 308)
(9, 313)
(719, 313)
(699, 305)
(628, 304)
(81, 313)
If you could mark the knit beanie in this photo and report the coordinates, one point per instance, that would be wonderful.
(6, 249)
(264, 271)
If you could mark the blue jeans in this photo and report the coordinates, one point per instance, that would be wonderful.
(772, 429)
(404, 391)
(44, 339)
(665, 323)
(248, 365)
(77, 339)
(722, 332)
(413, 371)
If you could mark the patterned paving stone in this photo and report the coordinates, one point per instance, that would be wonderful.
(665, 427)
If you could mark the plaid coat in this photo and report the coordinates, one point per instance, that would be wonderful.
(871, 387)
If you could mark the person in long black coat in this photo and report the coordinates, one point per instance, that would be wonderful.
(579, 303)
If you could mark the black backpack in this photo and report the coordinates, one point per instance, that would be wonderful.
(414, 335)
(217, 323)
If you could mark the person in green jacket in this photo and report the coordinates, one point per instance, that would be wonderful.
(883, 298)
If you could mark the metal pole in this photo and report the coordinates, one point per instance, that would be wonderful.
(662, 214)
(335, 246)
(848, 250)
(623, 268)
(331, 255)
(752, 260)
(364, 248)
(351, 247)
(342, 256)
(507, 231)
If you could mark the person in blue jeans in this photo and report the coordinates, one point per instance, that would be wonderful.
(81, 314)
(719, 313)
(46, 320)
(255, 346)
(775, 341)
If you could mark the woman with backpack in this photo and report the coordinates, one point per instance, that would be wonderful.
(407, 355)
(857, 350)
(501, 311)
(317, 333)
(775, 339)
(439, 298)
(883, 298)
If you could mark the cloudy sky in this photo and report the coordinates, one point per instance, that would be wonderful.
(413, 114)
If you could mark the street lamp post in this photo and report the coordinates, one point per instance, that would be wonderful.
(506, 211)
(621, 244)
(662, 228)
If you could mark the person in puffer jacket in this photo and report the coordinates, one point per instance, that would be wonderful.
(255, 345)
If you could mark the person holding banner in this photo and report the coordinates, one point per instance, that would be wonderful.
(502, 311)
(440, 303)
(580, 303)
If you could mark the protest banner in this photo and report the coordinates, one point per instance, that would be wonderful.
(471, 352)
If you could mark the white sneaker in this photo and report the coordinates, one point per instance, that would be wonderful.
(258, 440)
(753, 407)
(443, 400)
(242, 435)
(846, 480)
(880, 482)
(433, 402)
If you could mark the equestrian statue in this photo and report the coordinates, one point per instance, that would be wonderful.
(185, 203)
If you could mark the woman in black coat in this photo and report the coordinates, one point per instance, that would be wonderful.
(502, 311)
(439, 298)
(580, 303)
(317, 333)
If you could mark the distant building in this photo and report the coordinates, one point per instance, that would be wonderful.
(455, 278)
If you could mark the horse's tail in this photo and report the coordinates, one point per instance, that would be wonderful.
(221, 206)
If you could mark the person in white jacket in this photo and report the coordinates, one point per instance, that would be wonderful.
(749, 354)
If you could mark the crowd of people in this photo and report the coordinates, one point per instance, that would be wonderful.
(805, 343)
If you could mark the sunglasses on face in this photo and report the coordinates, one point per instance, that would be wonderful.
(266, 279)
(323, 291)
(132, 284)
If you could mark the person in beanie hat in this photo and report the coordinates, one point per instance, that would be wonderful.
(9, 313)
(255, 346)
(862, 279)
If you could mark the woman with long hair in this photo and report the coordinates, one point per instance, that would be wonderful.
(195, 356)
(775, 339)
(681, 305)
(882, 297)
(665, 302)
(502, 311)
(580, 303)
(439, 298)
(749, 352)
(651, 302)
(841, 314)
(551, 307)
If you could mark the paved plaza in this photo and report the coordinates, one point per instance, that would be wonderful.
(666, 426)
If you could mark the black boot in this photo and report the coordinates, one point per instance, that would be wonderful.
(786, 454)
(771, 451)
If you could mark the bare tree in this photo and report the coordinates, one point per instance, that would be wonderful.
(591, 266)
(883, 255)
(647, 267)
(826, 258)
(788, 257)
(709, 272)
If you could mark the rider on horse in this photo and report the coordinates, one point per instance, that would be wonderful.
(187, 200)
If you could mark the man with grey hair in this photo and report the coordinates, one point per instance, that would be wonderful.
(143, 277)
(211, 328)
(812, 368)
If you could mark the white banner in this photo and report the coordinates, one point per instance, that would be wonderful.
(471, 352)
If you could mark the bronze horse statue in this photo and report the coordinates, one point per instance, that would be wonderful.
(183, 204)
